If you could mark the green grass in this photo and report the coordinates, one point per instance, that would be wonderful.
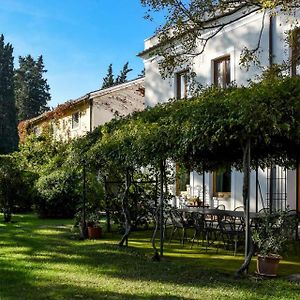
(40, 259)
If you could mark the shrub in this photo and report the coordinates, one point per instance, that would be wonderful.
(15, 187)
(58, 194)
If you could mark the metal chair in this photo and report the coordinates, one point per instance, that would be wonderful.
(239, 208)
(231, 234)
(264, 211)
(295, 219)
(199, 227)
(179, 223)
(221, 206)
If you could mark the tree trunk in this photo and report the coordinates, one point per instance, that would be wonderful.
(156, 256)
(126, 213)
(161, 205)
(246, 200)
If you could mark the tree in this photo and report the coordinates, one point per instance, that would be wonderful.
(193, 23)
(32, 89)
(108, 80)
(8, 125)
(123, 74)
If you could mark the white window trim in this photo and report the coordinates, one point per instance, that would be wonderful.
(79, 121)
(217, 55)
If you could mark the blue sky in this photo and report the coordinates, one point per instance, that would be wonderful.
(77, 38)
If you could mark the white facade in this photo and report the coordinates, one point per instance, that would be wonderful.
(229, 42)
(78, 117)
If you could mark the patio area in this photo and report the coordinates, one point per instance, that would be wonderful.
(213, 257)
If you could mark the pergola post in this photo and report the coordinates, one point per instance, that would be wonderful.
(256, 187)
(107, 212)
(83, 232)
(161, 205)
(246, 195)
(127, 185)
(271, 189)
(297, 194)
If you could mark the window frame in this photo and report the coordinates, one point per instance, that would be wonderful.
(77, 123)
(179, 177)
(221, 194)
(178, 84)
(225, 72)
(295, 50)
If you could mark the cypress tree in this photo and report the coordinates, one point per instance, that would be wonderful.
(8, 123)
(123, 74)
(108, 80)
(32, 89)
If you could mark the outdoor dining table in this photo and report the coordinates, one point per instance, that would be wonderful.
(218, 212)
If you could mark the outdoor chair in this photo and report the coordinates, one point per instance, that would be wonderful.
(199, 228)
(294, 217)
(239, 208)
(211, 229)
(264, 211)
(238, 220)
(179, 223)
(221, 206)
(232, 234)
(156, 219)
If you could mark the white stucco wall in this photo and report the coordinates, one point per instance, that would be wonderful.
(62, 128)
(229, 41)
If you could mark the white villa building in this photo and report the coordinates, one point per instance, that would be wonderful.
(77, 117)
(219, 64)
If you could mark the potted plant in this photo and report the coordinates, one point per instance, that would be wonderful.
(271, 236)
(93, 226)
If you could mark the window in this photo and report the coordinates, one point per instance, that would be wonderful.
(295, 55)
(222, 183)
(222, 72)
(181, 85)
(36, 130)
(75, 120)
(182, 179)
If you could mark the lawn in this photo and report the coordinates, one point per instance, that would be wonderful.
(42, 259)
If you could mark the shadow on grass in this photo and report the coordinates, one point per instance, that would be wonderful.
(37, 251)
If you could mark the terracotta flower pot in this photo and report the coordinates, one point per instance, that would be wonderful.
(94, 232)
(268, 265)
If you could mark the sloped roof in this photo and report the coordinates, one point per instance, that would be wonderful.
(66, 106)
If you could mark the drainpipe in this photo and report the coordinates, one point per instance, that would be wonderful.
(271, 54)
(91, 112)
(271, 62)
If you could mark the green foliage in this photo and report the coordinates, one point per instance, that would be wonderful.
(8, 123)
(123, 74)
(31, 88)
(109, 80)
(209, 131)
(273, 232)
(57, 176)
(58, 194)
(15, 188)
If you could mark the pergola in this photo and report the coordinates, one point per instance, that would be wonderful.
(241, 127)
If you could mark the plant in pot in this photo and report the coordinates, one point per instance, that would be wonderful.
(271, 236)
(93, 226)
